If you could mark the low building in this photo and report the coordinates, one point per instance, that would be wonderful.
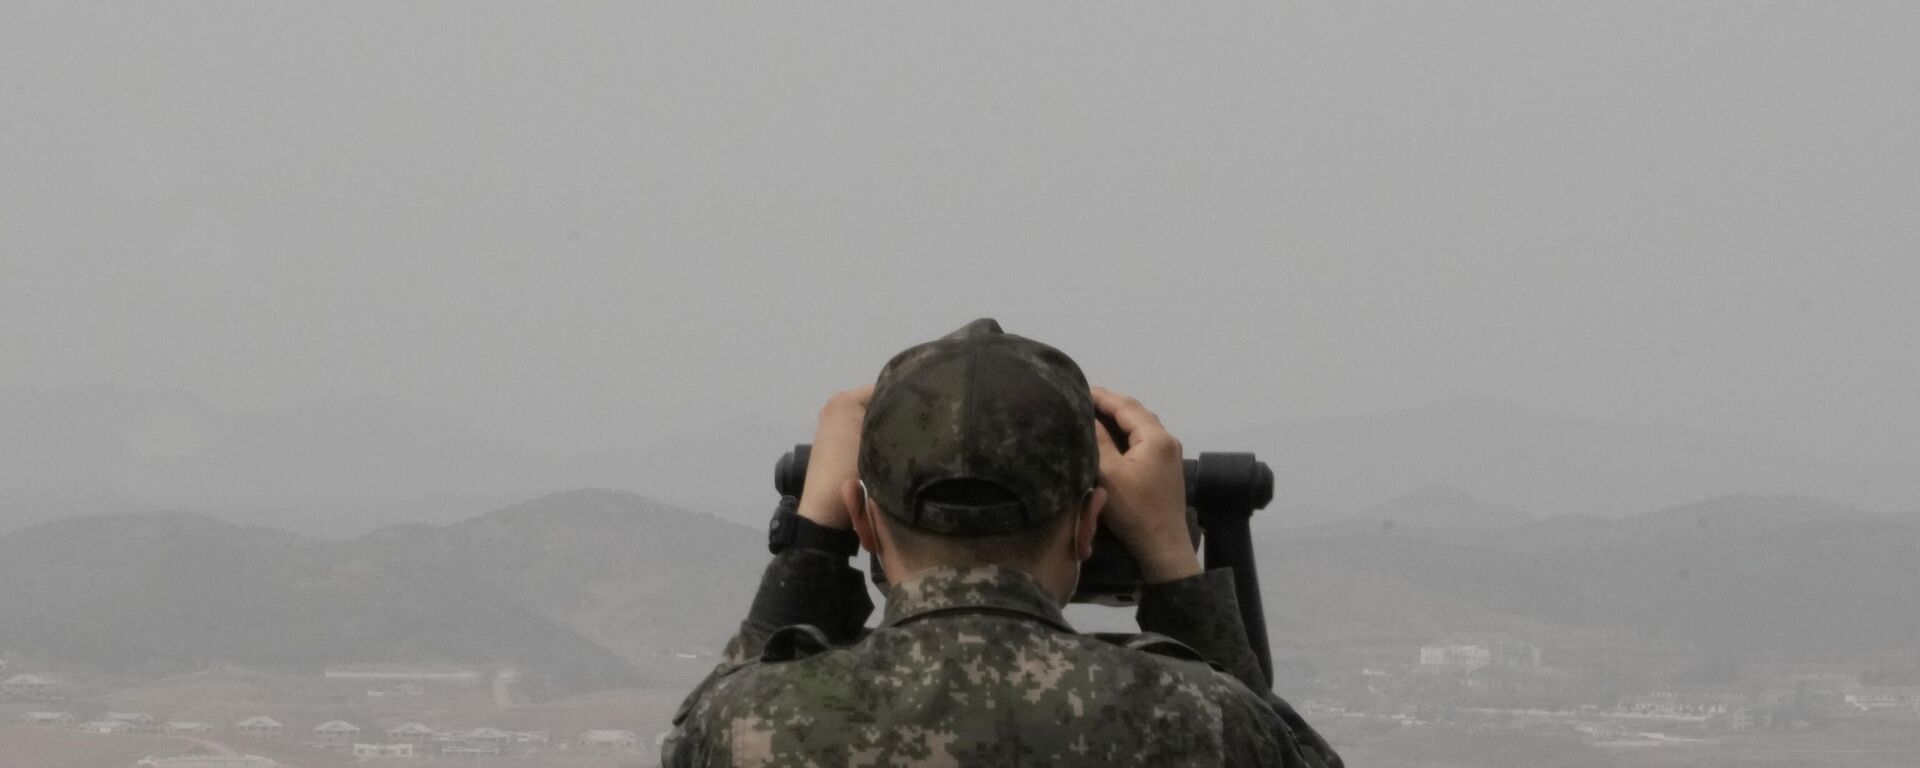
(208, 761)
(394, 673)
(410, 733)
(1669, 707)
(104, 726)
(397, 689)
(51, 719)
(185, 727)
(470, 750)
(27, 687)
(1882, 697)
(338, 734)
(484, 735)
(137, 722)
(1474, 651)
(608, 741)
(530, 737)
(259, 726)
(1742, 720)
(1456, 656)
(1508, 652)
(373, 751)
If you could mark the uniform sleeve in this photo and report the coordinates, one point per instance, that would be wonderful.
(1202, 612)
(804, 586)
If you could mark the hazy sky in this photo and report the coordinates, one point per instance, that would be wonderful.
(583, 223)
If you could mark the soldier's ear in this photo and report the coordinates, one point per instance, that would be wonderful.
(1088, 522)
(853, 496)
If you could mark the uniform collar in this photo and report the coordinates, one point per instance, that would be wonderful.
(971, 589)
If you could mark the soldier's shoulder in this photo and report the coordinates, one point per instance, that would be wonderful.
(1151, 644)
(742, 677)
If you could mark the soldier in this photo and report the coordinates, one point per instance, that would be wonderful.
(974, 471)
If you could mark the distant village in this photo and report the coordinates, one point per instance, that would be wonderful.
(1487, 683)
(230, 744)
(1493, 682)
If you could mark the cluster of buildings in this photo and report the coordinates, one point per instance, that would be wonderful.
(204, 760)
(414, 739)
(405, 740)
(117, 722)
(1478, 652)
(1496, 683)
(25, 687)
(410, 739)
(1868, 699)
(1735, 714)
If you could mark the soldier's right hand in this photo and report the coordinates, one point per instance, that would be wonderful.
(835, 460)
(1146, 489)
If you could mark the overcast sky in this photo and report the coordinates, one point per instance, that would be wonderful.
(580, 224)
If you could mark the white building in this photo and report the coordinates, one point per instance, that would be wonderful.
(26, 687)
(608, 741)
(59, 719)
(371, 751)
(410, 733)
(1462, 656)
(397, 689)
(1886, 697)
(336, 733)
(485, 735)
(1475, 651)
(208, 761)
(1669, 707)
(259, 726)
(394, 673)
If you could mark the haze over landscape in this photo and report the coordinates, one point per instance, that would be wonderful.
(1583, 335)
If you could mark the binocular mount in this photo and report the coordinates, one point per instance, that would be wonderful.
(1223, 491)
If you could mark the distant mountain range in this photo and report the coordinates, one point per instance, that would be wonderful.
(343, 467)
(1434, 506)
(587, 589)
(340, 467)
(592, 589)
(1542, 463)
(1744, 576)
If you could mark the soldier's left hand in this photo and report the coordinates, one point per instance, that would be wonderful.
(835, 458)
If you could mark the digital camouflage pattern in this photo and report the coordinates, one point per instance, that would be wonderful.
(986, 405)
(977, 667)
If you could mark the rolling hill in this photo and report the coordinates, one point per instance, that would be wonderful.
(630, 574)
(1774, 576)
(585, 588)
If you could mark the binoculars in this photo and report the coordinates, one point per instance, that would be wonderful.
(1223, 491)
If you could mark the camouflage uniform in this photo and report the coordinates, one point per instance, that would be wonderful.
(976, 667)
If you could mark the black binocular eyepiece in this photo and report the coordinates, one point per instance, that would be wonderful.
(790, 472)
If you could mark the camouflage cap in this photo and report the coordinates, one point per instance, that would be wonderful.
(983, 405)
